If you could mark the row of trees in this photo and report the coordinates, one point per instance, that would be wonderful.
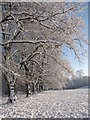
(77, 81)
(33, 35)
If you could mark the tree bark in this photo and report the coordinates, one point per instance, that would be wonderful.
(35, 91)
(28, 90)
(12, 98)
(37, 87)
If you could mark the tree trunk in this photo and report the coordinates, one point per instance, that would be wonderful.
(35, 88)
(28, 90)
(12, 98)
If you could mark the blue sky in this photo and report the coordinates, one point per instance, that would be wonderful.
(74, 63)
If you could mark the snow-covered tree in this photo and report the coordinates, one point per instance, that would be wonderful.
(79, 73)
(33, 37)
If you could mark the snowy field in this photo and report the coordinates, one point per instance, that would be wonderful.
(55, 104)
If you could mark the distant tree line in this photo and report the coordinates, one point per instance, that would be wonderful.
(79, 80)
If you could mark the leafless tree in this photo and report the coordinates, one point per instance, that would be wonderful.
(33, 37)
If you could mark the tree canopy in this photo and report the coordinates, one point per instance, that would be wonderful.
(33, 35)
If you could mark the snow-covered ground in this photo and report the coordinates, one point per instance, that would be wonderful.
(55, 104)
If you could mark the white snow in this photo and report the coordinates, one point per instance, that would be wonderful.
(55, 104)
